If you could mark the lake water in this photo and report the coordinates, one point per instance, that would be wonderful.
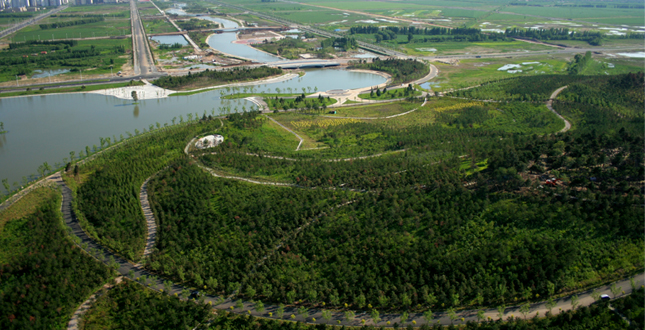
(46, 128)
(48, 73)
(170, 40)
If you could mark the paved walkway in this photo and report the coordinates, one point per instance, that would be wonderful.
(549, 103)
(151, 222)
(75, 321)
(153, 282)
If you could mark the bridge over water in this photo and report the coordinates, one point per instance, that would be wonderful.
(303, 64)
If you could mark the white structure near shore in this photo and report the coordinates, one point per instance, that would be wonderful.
(209, 141)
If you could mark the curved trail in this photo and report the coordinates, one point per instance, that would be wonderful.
(125, 267)
(292, 132)
(549, 105)
(75, 321)
(425, 100)
(151, 222)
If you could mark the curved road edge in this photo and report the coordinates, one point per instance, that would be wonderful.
(153, 281)
(549, 105)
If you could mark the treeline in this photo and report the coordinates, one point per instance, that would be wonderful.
(173, 46)
(31, 43)
(530, 88)
(70, 23)
(593, 38)
(579, 63)
(44, 275)
(299, 103)
(130, 305)
(402, 71)
(212, 77)
(343, 43)
(435, 34)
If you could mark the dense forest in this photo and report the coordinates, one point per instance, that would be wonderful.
(201, 216)
(402, 71)
(130, 305)
(108, 201)
(214, 77)
(43, 275)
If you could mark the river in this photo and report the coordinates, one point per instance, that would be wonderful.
(46, 128)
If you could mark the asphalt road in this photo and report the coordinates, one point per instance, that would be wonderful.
(143, 62)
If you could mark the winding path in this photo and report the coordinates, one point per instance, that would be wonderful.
(549, 104)
(151, 222)
(129, 269)
(292, 132)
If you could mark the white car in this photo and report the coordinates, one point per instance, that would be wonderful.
(605, 297)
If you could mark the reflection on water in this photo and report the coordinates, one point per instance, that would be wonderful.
(136, 111)
(170, 40)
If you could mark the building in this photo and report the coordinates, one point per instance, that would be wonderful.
(209, 141)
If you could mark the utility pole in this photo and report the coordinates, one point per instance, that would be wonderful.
(17, 80)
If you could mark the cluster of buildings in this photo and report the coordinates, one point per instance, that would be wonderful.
(34, 5)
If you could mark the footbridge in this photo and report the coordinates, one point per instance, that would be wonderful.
(303, 64)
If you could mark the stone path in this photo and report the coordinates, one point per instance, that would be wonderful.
(151, 222)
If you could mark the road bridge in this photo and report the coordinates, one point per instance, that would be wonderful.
(303, 64)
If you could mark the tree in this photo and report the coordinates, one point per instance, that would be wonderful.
(452, 314)
(76, 170)
(525, 309)
(481, 315)
(250, 292)
(326, 315)
(428, 316)
(134, 96)
(259, 306)
(404, 317)
(239, 304)
(574, 301)
(595, 295)
(360, 300)
(71, 156)
(550, 303)
(303, 311)
(375, 315)
(349, 315)
(410, 37)
(500, 312)
(280, 311)
(5, 183)
(615, 290)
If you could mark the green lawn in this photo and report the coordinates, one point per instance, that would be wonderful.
(37, 91)
(388, 95)
(158, 25)
(109, 27)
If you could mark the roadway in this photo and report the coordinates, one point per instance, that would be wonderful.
(30, 21)
(143, 60)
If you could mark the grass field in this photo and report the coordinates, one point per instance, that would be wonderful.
(36, 91)
(116, 27)
(390, 94)
(578, 12)
(26, 205)
(157, 25)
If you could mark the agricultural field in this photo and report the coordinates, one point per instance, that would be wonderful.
(65, 58)
(476, 71)
(107, 28)
(147, 9)
(9, 19)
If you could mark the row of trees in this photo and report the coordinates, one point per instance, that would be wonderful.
(57, 25)
(300, 102)
(212, 77)
(402, 71)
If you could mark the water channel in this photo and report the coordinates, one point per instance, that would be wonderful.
(46, 128)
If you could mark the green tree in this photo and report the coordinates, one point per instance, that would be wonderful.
(259, 306)
(326, 315)
(615, 290)
(375, 315)
(349, 315)
(280, 311)
(428, 316)
(525, 309)
(574, 301)
(500, 312)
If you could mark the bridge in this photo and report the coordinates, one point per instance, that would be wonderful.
(303, 64)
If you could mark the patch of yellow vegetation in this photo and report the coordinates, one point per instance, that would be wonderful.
(324, 123)
(459, 106)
